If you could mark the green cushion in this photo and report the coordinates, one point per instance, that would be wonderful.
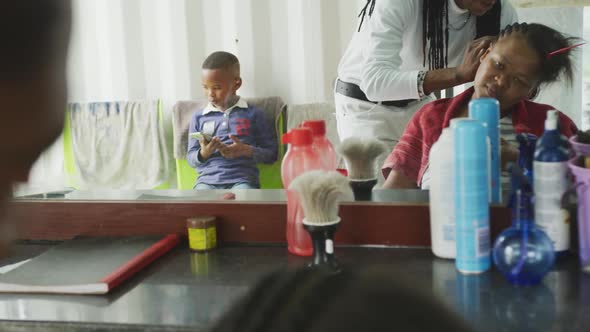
(69, 165)
(186, 176)
(270, 175)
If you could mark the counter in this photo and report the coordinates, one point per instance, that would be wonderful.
(188, 292)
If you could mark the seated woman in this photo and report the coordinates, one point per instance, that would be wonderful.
(511, 70)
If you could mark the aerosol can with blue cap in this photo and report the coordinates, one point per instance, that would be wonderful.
(471, 196)
(487, 110)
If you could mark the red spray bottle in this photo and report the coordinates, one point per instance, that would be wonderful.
(322, 144)
(300, 158)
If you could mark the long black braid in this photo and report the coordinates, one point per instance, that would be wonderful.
(370, 5)
(435, 32)
(435, 28)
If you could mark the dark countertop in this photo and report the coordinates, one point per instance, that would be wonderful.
(188, 292)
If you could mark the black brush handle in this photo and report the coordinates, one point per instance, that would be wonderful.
(319, 235)
(363, 190)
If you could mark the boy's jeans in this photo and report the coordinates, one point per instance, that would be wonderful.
(242, 185)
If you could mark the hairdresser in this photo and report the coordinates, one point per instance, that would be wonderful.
(404, 51)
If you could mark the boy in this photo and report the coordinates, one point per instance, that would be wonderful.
(234, 136)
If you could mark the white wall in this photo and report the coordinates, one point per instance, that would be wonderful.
(132, 49)
(142, 49)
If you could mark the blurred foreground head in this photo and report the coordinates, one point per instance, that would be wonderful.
(34, 37)
(369, 300)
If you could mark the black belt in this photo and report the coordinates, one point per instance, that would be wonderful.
(353, 91)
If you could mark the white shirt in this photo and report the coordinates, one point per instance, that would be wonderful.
(384, 58)
(241, 103)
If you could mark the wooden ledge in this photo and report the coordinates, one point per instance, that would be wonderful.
(362, 224)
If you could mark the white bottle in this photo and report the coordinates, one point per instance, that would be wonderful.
(442, 206)
(550, 183)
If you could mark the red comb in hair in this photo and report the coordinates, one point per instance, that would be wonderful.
(563, 50)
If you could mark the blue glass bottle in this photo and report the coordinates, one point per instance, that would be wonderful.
(523, 253)
(526, 151)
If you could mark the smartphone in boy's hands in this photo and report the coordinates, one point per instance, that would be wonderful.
(198, 136)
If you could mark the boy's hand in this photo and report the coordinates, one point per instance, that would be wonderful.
(209, 148)
(236, 149)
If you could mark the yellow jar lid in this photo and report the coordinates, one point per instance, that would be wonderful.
(200, 222)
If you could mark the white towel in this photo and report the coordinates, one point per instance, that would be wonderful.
(118, 145)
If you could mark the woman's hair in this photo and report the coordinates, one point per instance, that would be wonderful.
(435, 28)
(545, 40)
(308, 300)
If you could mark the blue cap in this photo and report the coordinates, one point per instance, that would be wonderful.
(470, 139)
(485, 109)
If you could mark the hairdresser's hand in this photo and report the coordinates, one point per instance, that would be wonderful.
(209, 148)
(508, 153)
(236, 149)
(465, 72)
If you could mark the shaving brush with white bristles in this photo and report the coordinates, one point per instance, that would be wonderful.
(360, 155)
(319, 193)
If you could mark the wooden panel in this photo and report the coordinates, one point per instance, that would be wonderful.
(379, 224)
